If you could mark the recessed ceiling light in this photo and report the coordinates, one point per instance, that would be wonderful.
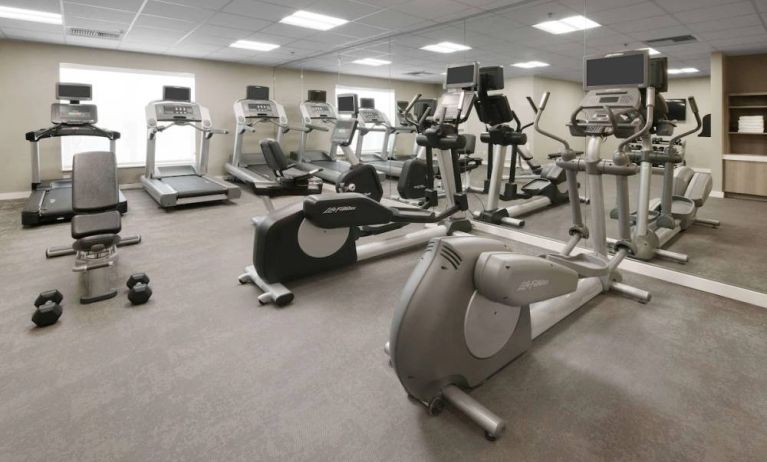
(684, 70)
(372, 62)
(250, 45)
(30, 15)
(530, 64)
(566, 25)
(446, 47)
(652, 51)
(302, 18)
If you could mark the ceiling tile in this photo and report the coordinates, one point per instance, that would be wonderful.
(717, 12)
(239, 22)
(256, 9)
(101, 14)
(176, 11)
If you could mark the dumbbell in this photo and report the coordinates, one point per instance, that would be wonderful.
(48, 308)
(139, 292)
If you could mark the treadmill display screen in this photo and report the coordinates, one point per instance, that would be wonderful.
(73, 92)
(317, 96)
(177, 94)
(258, 93)
(461, 76)
(347, 104)
(368, 103)
(628, 70)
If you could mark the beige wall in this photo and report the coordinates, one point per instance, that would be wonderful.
(28, 72)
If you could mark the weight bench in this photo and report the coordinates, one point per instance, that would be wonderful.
(96, 224)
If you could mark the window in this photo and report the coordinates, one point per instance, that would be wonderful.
(121, 96)
(385, 103)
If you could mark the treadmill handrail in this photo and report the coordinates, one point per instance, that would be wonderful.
(61, 130)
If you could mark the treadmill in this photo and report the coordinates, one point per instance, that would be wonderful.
(370, 120)
(317, 111)
(254, 109)
(182, 184)
(51, 200)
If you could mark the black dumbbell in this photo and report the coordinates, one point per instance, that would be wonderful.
(139, 292)
(47, 308)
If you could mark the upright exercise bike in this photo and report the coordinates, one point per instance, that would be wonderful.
(470, 306)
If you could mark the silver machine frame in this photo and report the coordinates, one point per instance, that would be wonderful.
(198, 117)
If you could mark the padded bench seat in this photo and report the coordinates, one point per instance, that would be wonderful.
(96, 223)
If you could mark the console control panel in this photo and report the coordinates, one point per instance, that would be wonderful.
(74, 114)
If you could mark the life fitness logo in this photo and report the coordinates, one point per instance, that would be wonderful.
(343, 208)
(532, 284)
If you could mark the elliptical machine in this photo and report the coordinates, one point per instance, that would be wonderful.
(470, 306)
(539, 192)
(320, 234)
(658, 221)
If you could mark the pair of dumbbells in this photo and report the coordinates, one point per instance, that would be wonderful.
(48, 307)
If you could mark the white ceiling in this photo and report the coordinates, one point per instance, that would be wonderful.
(499, 31)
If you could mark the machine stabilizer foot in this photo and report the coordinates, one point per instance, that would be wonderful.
(493, 425)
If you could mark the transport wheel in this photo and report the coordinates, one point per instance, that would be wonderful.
(436, 406)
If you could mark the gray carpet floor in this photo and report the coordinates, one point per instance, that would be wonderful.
(734, 253)
(203, 373)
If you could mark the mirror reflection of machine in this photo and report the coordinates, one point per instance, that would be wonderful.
(51, 201)
(256, 108)
(319, 115)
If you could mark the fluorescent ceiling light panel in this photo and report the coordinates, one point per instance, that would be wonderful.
(30, 15)
(372, 62)
(257, 46)
(530, 64)
(652, 51)
(302, 18)
(567, 25)
(446, 47)
(684, 70)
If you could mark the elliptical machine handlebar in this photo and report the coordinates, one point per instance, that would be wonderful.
(698, 124)
(537, 123)
(623, 147)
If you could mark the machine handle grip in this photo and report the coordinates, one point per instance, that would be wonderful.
(532, 104)
(544, 100)
(412, 103)
(693, 104)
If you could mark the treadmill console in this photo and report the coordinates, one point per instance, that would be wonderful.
(449, 103)
(372, 116)
(167, 111)
(316, 110)
(245, 109)
(344, 131)
(73, 114)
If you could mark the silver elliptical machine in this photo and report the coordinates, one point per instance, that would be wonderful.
(471, 306)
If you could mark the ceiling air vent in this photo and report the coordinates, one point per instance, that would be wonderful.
(671, 41)
(94, 34)
(417, 73)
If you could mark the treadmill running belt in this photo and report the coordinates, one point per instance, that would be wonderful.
(194, 186)
(57, 202)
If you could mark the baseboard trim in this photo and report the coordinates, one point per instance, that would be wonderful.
(644, 269)
(717, 194)
(9, 196)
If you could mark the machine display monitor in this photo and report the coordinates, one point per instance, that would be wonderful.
(177, 94)
(422, 106)
(462, 76)
(74, 91)
(367, 103)
(677, 109)
(317, 96)
(347, 104)
(257, 93)
(617, 71)
(491, 78)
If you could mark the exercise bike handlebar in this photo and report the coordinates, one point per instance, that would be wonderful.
(412, 102)
(539, 113)
(532, 104)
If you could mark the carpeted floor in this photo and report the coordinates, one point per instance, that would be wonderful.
(732, 253)
(203, 373)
